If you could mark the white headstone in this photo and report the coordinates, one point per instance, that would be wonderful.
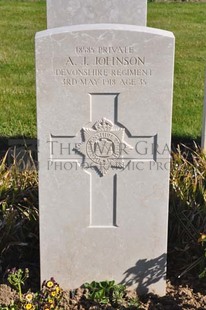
(104, 98)
(75, 12)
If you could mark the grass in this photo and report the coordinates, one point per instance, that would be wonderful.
(21, 19)
(18, 24)
(188, 22)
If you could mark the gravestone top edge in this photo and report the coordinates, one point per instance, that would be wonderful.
(120, 27)
(69, 12)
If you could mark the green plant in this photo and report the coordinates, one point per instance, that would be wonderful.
(118, 292)
(10, 307)
(188, 175)
(110, 293)
(133, 302)
(18, 215)
(17, 278)
(187, 209)
(105, 292)
(48, 298)
(100, 291)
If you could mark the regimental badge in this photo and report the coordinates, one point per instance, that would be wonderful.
(104, 146)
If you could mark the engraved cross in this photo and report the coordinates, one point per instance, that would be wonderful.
(105, 150)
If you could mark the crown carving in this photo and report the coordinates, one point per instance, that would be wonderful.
(103, 125)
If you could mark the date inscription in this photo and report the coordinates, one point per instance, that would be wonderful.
(104, 66)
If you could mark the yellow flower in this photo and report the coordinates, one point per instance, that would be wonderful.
(50, 301)
(29, 297)
(57, 289)
(50, 284)
(28, 306)
(202, 238)
(53, 293)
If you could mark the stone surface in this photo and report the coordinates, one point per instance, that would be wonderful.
(74, 12)
(104, 100)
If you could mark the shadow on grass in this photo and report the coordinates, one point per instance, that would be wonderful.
(25, 150)
(187, 141)
(21, 150)
(18, 141)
